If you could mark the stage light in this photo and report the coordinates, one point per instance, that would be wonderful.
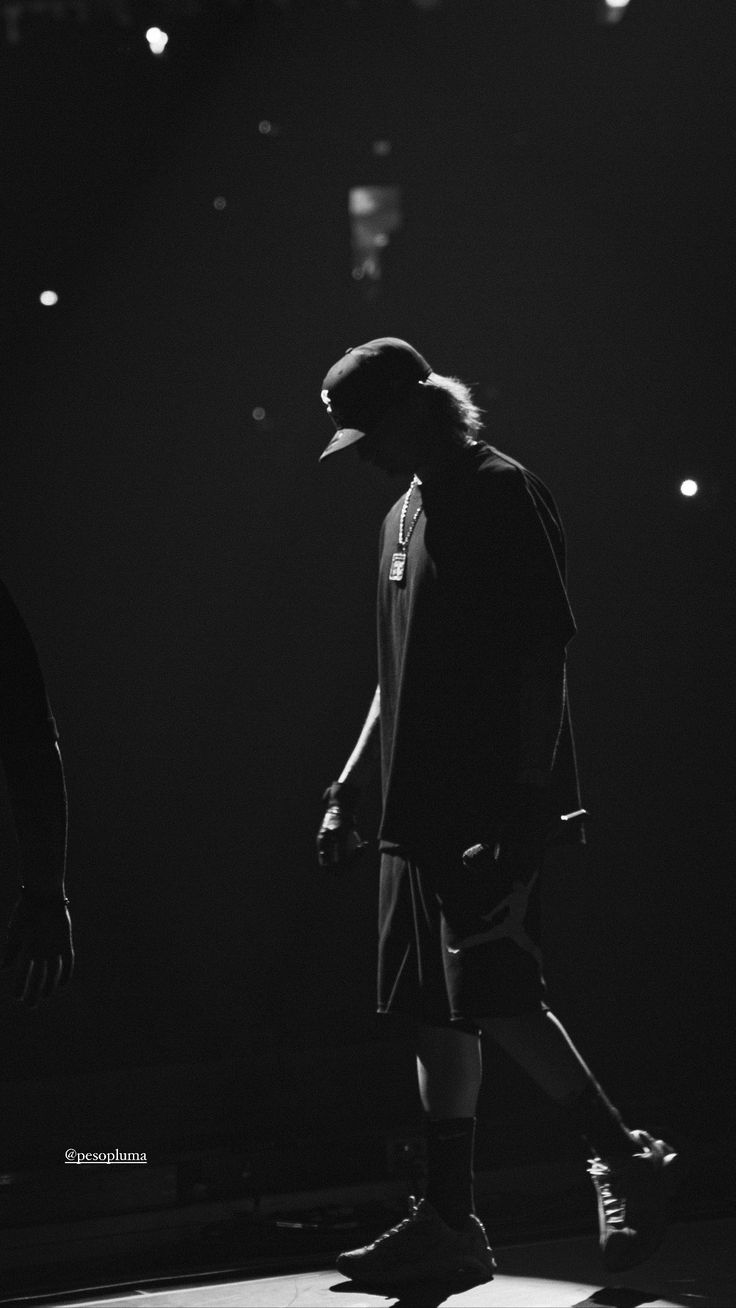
(157, 40)
(611, 11)
(375, 214)
(689, 487)
(258, 414)
(219, 202)
(48, 297)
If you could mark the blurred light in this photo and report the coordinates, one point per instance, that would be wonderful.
(381, 148)
(689, 487)
(157, 40)
(375, 214)
(258, 414)
(611, 11)
(267, 128)
(48, 297)
(219, 202)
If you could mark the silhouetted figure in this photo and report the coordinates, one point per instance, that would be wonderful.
(471, 727)
(39, 940)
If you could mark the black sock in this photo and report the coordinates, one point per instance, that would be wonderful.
(450, 1144)
(599, 1123)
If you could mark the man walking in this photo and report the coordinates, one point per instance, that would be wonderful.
(471, 728)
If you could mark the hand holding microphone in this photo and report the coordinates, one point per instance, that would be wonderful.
(339, 844)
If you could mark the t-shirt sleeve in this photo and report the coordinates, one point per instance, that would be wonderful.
(517, 543)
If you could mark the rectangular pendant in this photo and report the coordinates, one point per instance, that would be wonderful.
(398, 564)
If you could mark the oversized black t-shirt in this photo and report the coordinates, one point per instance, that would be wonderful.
(25, 716)
(483, 591)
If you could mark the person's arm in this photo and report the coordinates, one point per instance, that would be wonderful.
(540, 622)
(538, 629)
(39, 941)
(541, 706)
(338, 842)
(37, 793)
(361, 765)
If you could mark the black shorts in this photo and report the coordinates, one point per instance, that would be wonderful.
(455, 945)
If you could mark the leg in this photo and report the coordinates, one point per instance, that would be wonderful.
(449, 1071)
(539, 1043)
(443, 1236)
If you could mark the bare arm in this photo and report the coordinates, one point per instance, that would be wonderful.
(363, 761)
(338, 842)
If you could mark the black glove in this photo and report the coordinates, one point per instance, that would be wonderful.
(338, 842)
(39, 945)
(519, 839)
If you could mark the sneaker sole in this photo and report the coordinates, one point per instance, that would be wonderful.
(428, 1272)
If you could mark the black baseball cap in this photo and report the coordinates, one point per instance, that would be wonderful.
(365, 383)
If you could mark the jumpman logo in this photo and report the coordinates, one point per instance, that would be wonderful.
(506, 922)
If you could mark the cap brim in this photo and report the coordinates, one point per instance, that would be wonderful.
(340, 441)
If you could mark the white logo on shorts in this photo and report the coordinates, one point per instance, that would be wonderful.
(506, 922)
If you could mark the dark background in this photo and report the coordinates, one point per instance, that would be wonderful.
(201, 591)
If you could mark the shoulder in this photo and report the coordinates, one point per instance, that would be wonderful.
(509, 482)
(498, 483)
(498, 471)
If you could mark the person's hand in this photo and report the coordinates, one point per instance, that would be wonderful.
(338, 843)
(516, 847)
(39, 945)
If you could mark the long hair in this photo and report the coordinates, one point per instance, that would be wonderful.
(454, 410)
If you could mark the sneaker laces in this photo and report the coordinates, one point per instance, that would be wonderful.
(402, 1225)
(614, 1205)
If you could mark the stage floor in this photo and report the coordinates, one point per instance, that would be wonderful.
(696, 1266)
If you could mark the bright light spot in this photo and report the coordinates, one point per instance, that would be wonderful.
(157, 40)
(381, 148)
(375, 213)
(265, 127)
(689, 487)
(219, 202)
(611, 12)
(258, 414)
(49, 297)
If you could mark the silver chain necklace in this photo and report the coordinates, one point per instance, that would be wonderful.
(398, 559)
